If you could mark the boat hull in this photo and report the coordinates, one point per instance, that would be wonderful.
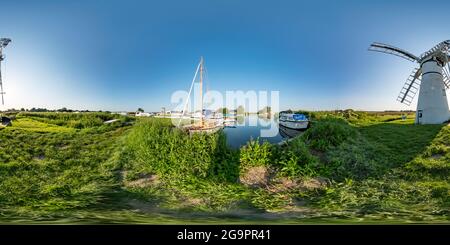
(294, 124)
(289, 133)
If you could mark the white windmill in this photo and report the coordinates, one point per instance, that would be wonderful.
(431, 80)
(3, 43)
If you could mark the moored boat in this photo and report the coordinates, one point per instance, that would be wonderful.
(293, 120)
(208, 121)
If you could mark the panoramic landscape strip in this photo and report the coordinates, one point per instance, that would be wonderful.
(350, 166)
(224, 113)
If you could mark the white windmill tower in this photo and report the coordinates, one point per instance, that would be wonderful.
(3, 43)
(431, 80)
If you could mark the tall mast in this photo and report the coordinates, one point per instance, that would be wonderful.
(201, 91)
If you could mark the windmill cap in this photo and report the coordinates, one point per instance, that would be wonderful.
(438, 50)
(4, 41)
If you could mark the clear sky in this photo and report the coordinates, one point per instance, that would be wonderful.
(121, 55)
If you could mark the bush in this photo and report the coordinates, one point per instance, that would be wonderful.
(327, 133)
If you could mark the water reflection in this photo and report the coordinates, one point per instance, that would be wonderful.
(250, 127)
(288, 132)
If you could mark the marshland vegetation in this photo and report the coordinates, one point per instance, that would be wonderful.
(348, 167)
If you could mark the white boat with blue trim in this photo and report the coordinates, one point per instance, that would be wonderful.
(293, 120)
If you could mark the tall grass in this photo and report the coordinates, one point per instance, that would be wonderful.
(72, 120)
(328, 133)
(156, 147)
(254, 154)
(295, 160)
(58, 169)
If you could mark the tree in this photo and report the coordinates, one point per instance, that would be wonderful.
(39, 110)
(140, 110)
(266, 109)
(64, 109)
(240, 110)
(223, 110)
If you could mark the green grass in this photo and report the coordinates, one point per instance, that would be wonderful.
(71, 167)
(37, 126)
(411, 180)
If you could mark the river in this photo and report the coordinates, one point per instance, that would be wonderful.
(257, 127)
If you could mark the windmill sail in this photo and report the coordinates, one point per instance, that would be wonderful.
(446, 79)
(389, 49)
(410, 88)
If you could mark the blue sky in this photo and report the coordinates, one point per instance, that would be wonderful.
(121, 55)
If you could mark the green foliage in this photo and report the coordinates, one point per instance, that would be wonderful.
(392, 170)
(295, 160)
(255, 154)
(387, 199)
(435, 158)
(327, 133)
(72, 120)
(59, 169)
(71, 166)
(155, 146)
(356, 158)
(223, 110)
(240, 110)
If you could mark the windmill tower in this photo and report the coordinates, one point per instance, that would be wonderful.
(3, 43)
(431, 80)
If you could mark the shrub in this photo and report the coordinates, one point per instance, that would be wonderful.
(296, 160)
(327, 133)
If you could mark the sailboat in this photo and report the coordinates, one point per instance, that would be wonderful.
(202, 123)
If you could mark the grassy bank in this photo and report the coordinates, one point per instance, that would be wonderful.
(56, 162)
(348, 167)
